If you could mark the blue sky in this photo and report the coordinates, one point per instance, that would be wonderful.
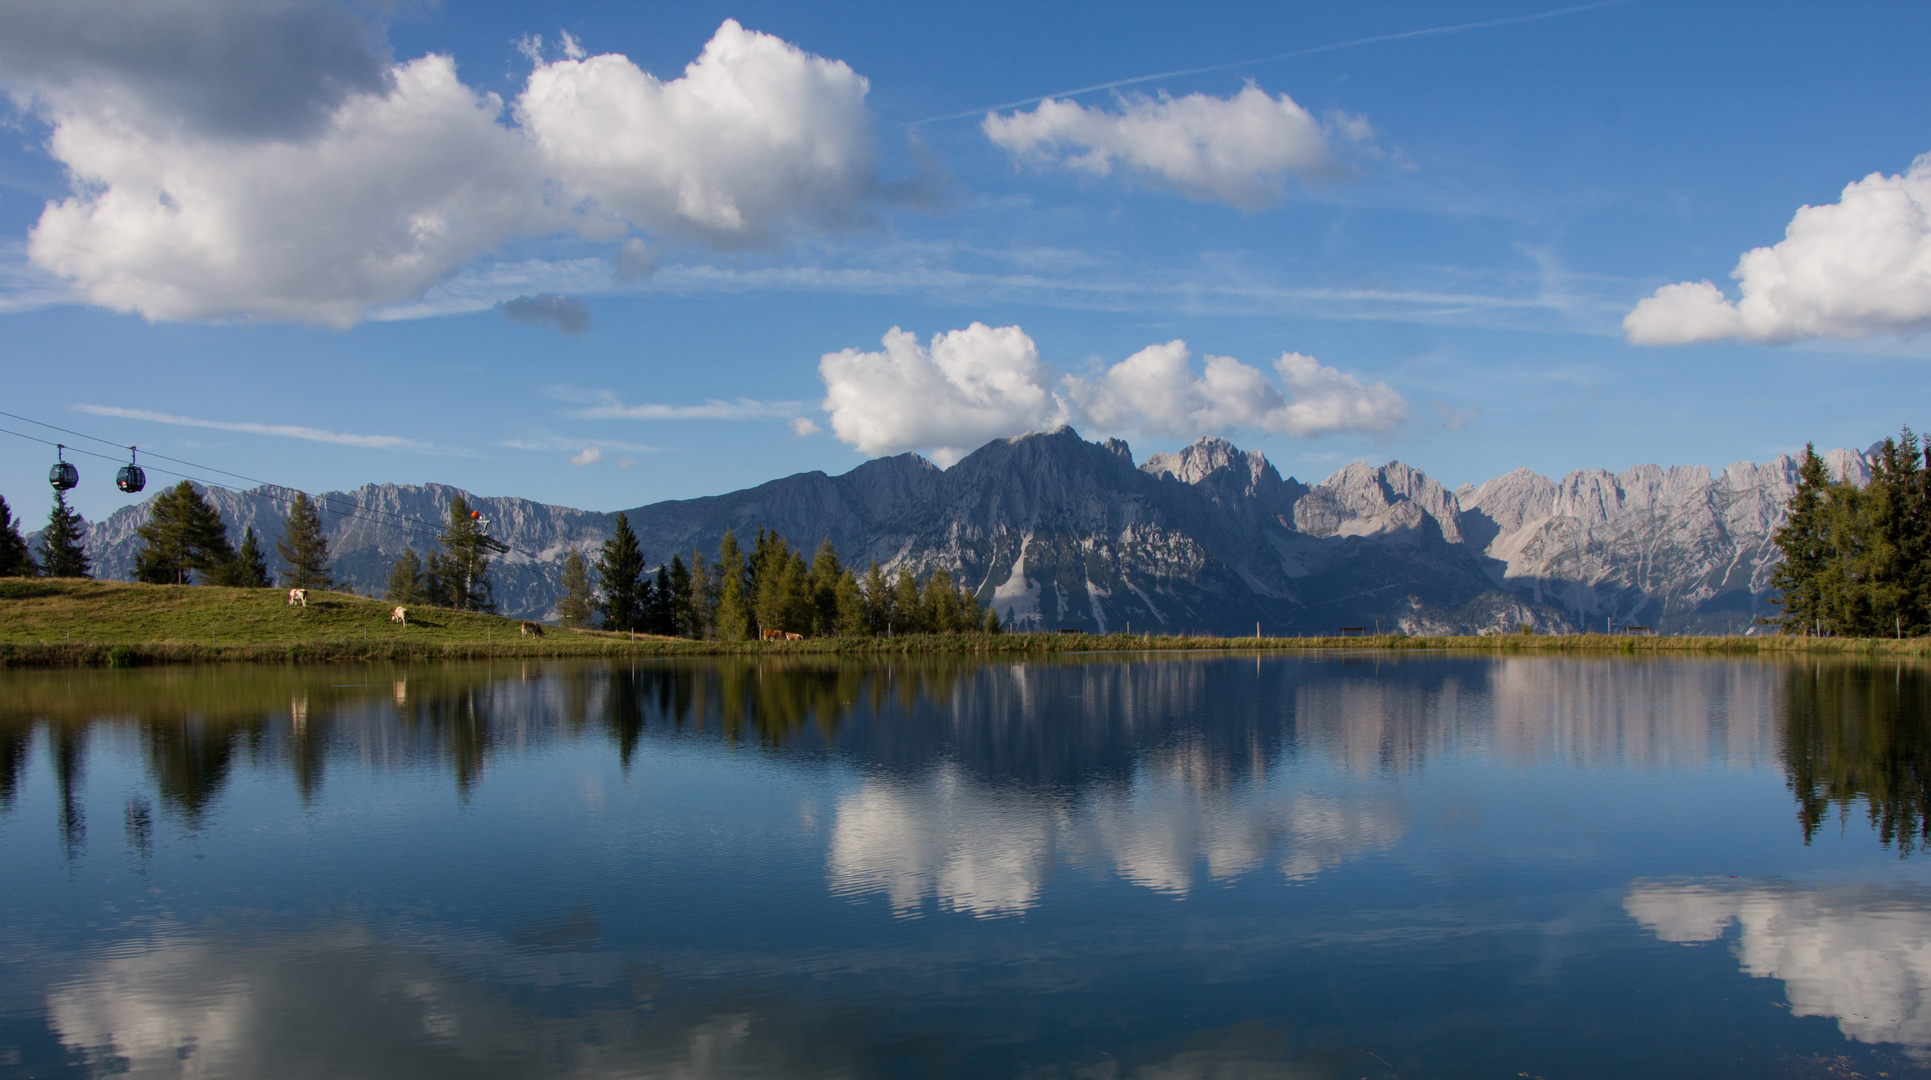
(1425, 236)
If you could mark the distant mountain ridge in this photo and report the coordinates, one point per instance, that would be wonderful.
(1058, 532)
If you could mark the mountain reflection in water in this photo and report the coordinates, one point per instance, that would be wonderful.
(1096, 867)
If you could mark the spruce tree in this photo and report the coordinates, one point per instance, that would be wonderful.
(663, 604)
(1803, 539)
(464, 565)
(61, 551)
(684, 622)
(578, 604)
(304, 548)
(618, 568)
(733, 619)
(15, 559)
(247, 570)
(826, 572)
(406, 584)
(183, 536)
(436, 586)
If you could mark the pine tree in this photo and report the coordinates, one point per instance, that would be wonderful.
(406, 584)
(183, 536)
(578, 605)
(15, 559)
(464, 566)
(247, 570)
(663, 603)
(61, 551)
(733, 603)
(304, 548)
(618, 568)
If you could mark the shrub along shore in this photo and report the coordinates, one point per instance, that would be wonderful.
(71, 623)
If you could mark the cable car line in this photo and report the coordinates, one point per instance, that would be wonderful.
(356, 510)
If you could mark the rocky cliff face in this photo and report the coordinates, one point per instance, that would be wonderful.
(1057, 532)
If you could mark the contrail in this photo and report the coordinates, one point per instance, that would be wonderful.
(1433, 31)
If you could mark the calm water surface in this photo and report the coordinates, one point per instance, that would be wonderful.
(1166, 867)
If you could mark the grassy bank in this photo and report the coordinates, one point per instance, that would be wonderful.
(104, 623)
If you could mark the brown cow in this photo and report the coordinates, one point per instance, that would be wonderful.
(772, 635)
(400, 615)
(793, 637)
(531, 629)
(298, 596)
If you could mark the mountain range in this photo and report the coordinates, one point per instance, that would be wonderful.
(1056, 532)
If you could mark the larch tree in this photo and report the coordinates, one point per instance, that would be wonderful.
(579, 602)
(463, 569)
(733, 617)
(406, 584)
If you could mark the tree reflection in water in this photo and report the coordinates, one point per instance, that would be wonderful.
(1861, 732)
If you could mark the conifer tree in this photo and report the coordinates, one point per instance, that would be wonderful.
(663, 603)
(464, 566)
(940, 603)
(183, 535)
(578, 604)
(61, 552)
(303, 547)
(436, 590)
(851, 617)
(619, 567)
(684, 615)
(704, 596)
(15, 559)
(1803, 539)
(733, 604)
(406, 584)
(826, 572)
(908, 614)
(247, 570)
(878, 599)
(991, 625)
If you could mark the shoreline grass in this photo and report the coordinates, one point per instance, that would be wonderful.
(79, 623)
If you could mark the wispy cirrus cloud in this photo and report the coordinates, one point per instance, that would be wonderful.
(280, 431)
(606, 405)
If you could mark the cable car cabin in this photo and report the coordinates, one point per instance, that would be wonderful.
(63, 476)
(131, 479)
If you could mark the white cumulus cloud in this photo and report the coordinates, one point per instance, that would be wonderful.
(1157, 390)
(1855, 268)
(1238, 150)
(756, 136)
(971, 386)
(379, 180)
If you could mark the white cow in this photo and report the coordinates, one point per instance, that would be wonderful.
(400, 615)
(298, 596)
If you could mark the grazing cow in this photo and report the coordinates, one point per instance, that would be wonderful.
(400, 615)
(772, 635)
(793, 637)
(531, 629)
(298, 596)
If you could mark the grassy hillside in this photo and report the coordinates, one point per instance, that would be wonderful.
(69, 622)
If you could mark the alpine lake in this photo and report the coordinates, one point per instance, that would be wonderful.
(1229, 865)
